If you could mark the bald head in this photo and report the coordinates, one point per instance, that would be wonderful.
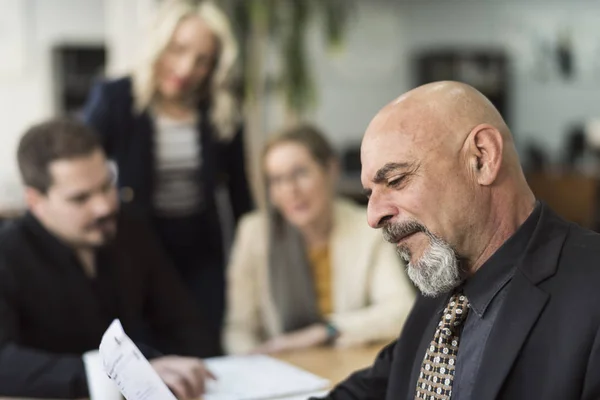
(440, 113)
(440, 160)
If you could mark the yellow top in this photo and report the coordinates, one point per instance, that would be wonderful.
(321, 271)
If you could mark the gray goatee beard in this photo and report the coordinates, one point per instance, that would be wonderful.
(438, 270)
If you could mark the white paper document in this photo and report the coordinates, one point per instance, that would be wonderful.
(259, 377)
(320, 393)
(129, 369)
(100, 386)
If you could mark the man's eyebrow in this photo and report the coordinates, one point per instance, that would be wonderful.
(78, 195)
(91, 191)
(383, 173)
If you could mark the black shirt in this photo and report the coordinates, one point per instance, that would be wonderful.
(51, 312)
(486, 291)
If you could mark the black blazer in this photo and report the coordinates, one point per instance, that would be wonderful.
(127, 138)
(545, 343)
(49, 315)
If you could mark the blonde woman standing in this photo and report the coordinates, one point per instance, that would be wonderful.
(173, 129)
(310, 271)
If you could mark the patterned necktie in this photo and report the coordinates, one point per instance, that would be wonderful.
(437, 371)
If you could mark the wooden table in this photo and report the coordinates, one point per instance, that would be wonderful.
(333, 363)
(330, 363)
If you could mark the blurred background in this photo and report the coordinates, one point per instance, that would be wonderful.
(335, 63)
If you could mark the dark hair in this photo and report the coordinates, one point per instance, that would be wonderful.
(308, 136)
(44, 143)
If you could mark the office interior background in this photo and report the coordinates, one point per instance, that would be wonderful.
(538, 61)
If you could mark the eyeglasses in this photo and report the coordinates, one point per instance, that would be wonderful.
(297, 177)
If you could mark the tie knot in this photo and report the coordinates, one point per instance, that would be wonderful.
(455, 313)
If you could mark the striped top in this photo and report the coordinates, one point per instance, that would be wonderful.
(178, 159)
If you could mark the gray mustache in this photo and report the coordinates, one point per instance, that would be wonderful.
(393, 232)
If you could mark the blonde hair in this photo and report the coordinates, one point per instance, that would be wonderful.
(225, 112)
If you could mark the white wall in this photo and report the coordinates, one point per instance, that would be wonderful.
(354, 82)
(126, 23)
(370, 72)
(542, 110)
(27, 97)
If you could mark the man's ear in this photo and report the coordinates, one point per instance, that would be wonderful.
(33, 198)
(486, 147)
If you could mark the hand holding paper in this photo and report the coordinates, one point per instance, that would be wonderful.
(185, 376)
(129, 369)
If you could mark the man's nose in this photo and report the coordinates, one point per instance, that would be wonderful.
(102, 205)
(379, 209)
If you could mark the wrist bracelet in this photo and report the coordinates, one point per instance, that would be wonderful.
(332, 332)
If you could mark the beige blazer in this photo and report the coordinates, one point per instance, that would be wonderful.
(371, 293)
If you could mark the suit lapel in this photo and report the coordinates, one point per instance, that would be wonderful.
(210, 150)
(521, 309)
(143, 151)
(522, 306)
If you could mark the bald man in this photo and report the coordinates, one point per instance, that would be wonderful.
(510, 293)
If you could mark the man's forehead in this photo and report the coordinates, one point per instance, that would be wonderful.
(380, 150)
(389, 141)
(408, 125)
(74, 175)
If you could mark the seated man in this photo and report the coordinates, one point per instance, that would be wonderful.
(72, 264)
(509, 306)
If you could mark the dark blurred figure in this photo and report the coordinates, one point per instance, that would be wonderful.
(73, 264)
(174, 130)
(575, 148)
(535, 159)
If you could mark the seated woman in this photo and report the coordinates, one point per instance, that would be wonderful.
(310, 271)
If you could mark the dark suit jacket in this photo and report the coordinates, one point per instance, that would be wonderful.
(545, 343)
(50, 313)
(127, 138)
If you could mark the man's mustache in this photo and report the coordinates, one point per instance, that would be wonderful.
(394, 232)
(101, 222)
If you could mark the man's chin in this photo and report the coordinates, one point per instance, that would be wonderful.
(106, 240)
(404, 253)
(433, 285)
